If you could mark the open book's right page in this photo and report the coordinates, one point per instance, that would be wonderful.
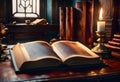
(75, 53)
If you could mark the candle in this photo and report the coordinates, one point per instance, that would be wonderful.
(101, 26)
(101, 23)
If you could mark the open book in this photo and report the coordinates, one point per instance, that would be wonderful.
(40, 54)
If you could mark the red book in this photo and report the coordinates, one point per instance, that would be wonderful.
(69, 23)
(62, 16)
(86, 32)
(80, 6)
(113, 43)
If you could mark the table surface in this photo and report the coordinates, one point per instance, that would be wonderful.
(8, 74)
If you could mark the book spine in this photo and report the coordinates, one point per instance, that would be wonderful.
(116, 39)
(89, 22)
(77, 24)
(81, 7)
(69, 23)
(114, 44)
(86, 8)
(62, 15)
(117, 36)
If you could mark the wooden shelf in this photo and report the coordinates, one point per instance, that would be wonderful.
(22, 32)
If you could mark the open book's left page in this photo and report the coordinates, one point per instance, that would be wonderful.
(39, 50)
(36, 54)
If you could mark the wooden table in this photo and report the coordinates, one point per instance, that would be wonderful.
(110, 74)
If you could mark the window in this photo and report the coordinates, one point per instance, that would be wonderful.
(26, 8)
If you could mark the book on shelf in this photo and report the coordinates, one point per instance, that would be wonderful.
(81, 7)
(117, 36)
(39, 21)
(58, 55)
(62, 16)
(69, 23)
(116, 40)
(85, 20)
(114, 44)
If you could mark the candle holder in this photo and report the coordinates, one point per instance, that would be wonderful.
(101, 49)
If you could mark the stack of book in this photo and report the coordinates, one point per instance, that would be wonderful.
(114, 45)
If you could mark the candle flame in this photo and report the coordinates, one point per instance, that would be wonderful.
(100, 16)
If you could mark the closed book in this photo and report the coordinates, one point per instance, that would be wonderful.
(69, 23)
(62, 16)
(113, 43)
(116, 40)
(117, 36)
(113, 48)
(86, 20)
(81, 7)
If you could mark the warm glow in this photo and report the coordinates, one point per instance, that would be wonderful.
(101, 23)
(100, 16)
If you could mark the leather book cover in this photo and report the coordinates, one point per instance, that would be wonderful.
(86, 22)
(62, 16)
(69, 23)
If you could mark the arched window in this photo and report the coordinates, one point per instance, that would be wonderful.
(26, 8)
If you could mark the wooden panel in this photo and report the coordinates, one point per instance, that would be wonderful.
(23, 32)
(2, 10)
